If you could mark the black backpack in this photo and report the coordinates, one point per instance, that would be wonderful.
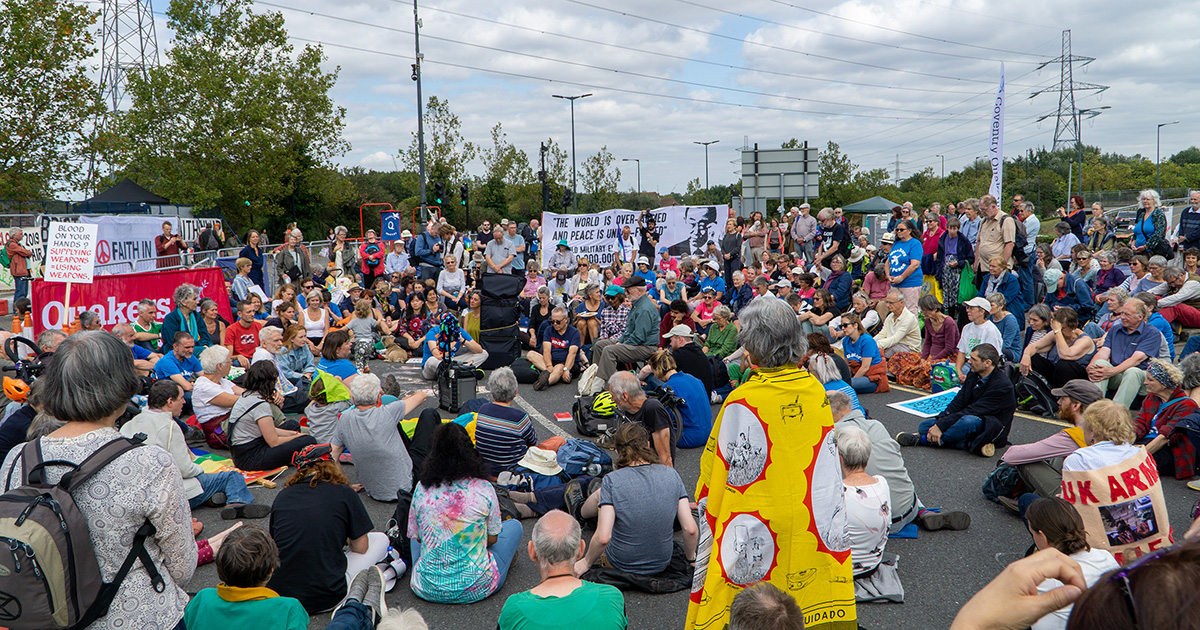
(51, 575)
(588, 422)
(1033, 395)
(1021, 241)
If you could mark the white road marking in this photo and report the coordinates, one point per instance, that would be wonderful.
(540, 419)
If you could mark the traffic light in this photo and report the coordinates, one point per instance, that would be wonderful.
(567, 198)
(439, 193)
(462, 194)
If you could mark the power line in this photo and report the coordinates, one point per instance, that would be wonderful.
(772, 47)
(595, 67)
(846, 37)
(576, 39)
(895, 30)
(594, 86)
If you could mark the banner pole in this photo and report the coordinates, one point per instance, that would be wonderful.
(67, 309)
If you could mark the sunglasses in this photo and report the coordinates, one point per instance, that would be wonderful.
(1123, 577)
(558, 321)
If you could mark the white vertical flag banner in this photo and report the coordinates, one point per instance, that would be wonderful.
(996, 148)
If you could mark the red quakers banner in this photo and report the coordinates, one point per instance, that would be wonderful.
(115, 297)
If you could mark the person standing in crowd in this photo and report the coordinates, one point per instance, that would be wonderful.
(167, 246)
(954, 253)
(292, 262)
(344, 256)
(519, 246)
(834, 239)
(1150, 226)
(18, 262)
(731, 248)
(804, 231)
(904, 264)
(254, 253)
(1075, 217)
(753, 236)
(499, 253)
(371, 255)
(560, 598)
(1187, 232)
(648, 230)
(979, 417)
(794, 500)
(1033, 225)
(428, 251)
(997, 236)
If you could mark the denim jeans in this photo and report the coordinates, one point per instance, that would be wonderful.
(864, 385)
(1192, 345)
(20, 288)
(230, 482)
(502, 551)
(352, 616)
(959, 435)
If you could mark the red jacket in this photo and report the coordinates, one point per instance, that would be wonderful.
(18, 258)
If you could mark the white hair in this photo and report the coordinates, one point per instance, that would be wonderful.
(397, 619)
(267, 332)
(854, 447)
(1153, 194)
(365, 389)
(213, 358)
(839, 401)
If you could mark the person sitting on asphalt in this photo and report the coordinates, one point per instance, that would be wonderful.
(369, 431)
(143, 359)
(690, 358)
(978, 330)
(1040, 463)
(630, 398)
(640, 338)
(862, 354)
(1155, 425)
(901, 332)
(612, 318)
(825, 369)
(1166, 351)
(941, 333)
(460, 549)
(319, 556)
(1006, 323)
(271, 348)
(558, 358)
(179, 365)
(1121, 363)
(225, 489)
(1065, 289)
(696, 412)
(295, 361)
(1056, 524)
(1063, 354)
(868, 502)
(502, 432)
(464, 350)
(213, 394)
(886, 461)
(560, 598)
(677, 315)
(241, 337)
(981, 414)
(255, 441)
(635, 507)
(818, 318)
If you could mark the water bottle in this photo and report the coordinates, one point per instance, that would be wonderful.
(592, 469)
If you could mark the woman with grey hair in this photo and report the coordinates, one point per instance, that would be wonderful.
(502, 432)
(88, 385)
(1063, 242)
(369, 431)
(1150, 226)
(1108, 276)
(291, 261)
(186, 317)
(868, 500)
(344, 255)
(213, 394)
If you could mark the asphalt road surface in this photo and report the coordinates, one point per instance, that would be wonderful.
(940, 570)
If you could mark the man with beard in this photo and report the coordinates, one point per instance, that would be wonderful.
(1040, 463)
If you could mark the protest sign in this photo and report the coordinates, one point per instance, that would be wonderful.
(1121, 505)
(597, 236)
(71, 253)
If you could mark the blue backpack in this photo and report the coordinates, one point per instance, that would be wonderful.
(580, 457)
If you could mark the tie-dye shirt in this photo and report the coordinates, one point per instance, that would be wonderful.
(453, 522)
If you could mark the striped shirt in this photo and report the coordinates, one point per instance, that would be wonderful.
(502, 435)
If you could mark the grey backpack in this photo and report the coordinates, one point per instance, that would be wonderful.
(49, 577)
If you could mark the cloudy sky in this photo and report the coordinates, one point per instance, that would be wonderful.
(911, 77)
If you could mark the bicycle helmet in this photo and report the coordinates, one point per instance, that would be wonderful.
(15, 389)
(604, 405)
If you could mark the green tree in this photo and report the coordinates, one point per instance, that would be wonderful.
(234, 115)
(47, 101)
(446, 152)
(600, 178)
(1190, 155)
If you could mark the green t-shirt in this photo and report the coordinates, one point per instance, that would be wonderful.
(223, 608)
(154, 345)
(589, 607)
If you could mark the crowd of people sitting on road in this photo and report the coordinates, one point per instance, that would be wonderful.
(819, 315)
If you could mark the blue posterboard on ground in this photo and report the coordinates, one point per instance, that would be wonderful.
(927, 406)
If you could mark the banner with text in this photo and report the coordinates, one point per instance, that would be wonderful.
(597, 236)
(126, 239)
(996, 141)
(71, 253)
(115, 297)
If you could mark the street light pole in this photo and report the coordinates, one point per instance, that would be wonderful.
(1157, 150)
(1092, 113)
(943, 164)
(416, 76)
(574, 193)
(639, 170)
(706, 202)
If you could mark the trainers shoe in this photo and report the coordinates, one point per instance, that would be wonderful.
(218, 499)
(573, 497)
(373, 597)
(543, 381)
(358, 587)
(593, 486)
(195, 437)
(715, 398)
(1009, 503)
(346, 458)
(908, 439)
(987, 450)
(955, 521)
(235, 511)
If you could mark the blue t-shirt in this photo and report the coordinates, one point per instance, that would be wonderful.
(518, 261)
(841, 386)
(864, 347)
(560, 345)
(140, 353)
(432, 336)
(1144, 230)
(717, 284)
(696, 412)
(170, 365)
(901, 256)
(341, 368)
